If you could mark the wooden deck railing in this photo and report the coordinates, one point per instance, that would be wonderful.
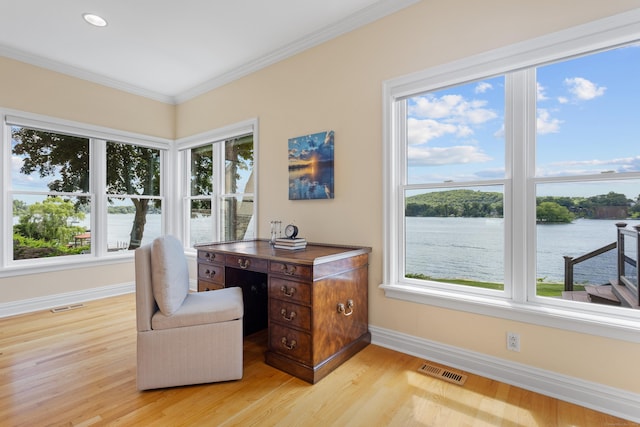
(624, 260)
(570, 262)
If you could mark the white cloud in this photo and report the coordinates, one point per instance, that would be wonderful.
(621, 162)
(540, 95)
(16, 162)
(595, 166)
(22, 181)
(478, 115)
(453, 108)
(482, 87)
(464, 131)
(421, 131)
(583, 89)
(545, 123)
(430, 156)
(563, 100)
(435, 108)
(433, 117)
(16, 176)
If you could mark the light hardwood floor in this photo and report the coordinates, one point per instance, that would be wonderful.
(78, 368)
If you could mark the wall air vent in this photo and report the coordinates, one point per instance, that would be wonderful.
(66, 308)
(444, 374)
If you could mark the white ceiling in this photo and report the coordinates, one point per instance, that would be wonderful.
(173, 50)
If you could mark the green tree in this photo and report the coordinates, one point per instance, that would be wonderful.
(49, 221)
(635, 208)
(201, 176)
(48, 153)
(19, 207)
(610, 199)
(551, 212)
(131, 169)
(134, 170)
(238, 157)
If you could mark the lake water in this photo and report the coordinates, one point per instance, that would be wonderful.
(466, 248)
(472, 248)
(119, 229)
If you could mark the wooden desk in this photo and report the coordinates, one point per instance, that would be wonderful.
(314, 301)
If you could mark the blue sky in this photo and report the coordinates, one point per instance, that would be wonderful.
(588, 121)
(20, 181)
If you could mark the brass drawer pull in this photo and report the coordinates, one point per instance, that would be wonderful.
(341, 308)
(287, 345)
(288, 292)
(209, 256)
(210, 273)
(244, 264)
(292, 316)
(289, 271)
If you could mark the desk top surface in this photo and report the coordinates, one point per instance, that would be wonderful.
(313, 253)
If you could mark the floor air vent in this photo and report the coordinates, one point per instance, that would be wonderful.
(444, 374)
(66, 308)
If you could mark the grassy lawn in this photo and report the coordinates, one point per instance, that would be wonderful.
(543, 288)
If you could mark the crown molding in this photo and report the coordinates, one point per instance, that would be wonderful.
(350, 23)
(82, 74)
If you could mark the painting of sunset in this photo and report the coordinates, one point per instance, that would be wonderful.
(311, 166)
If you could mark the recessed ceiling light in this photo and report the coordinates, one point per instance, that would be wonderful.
(96, 20)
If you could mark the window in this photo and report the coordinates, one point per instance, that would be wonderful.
(455, 179)
(220, 187)
(75, 194)
(587, 164)
(507, 178)
(134, 218)
(50, 194)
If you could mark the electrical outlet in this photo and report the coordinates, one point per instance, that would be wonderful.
(513, 341)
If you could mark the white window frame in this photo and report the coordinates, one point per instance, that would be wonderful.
(184, 146)
(97, 192)
(102, 145)
(519, 301)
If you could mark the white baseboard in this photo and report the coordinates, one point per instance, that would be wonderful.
(609, 400)
(51, 301)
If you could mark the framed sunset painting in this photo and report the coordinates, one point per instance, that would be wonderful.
(311, 166)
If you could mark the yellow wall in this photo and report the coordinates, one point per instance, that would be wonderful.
(338, 86)
(32, 89)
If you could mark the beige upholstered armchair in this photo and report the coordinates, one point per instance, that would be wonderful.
(183, 338)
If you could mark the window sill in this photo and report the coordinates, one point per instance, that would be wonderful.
(625, 326)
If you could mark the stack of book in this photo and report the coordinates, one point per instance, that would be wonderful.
(290, 244)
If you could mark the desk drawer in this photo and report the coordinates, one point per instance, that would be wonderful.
(211, 273)
(246, 263)
(210, 257)
(204, 286)
(297, 316)
(295, 271)
(288, 290)
(290, 343)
